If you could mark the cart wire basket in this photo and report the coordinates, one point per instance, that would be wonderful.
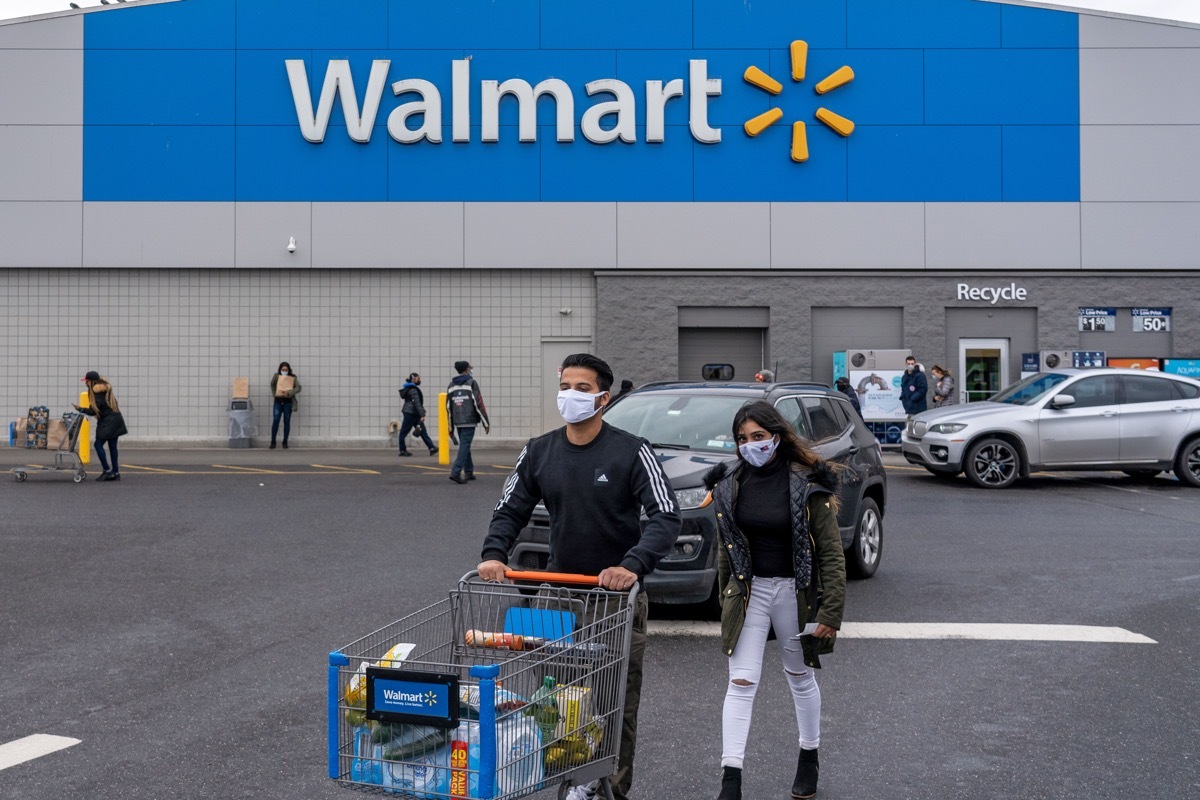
(66, 454)
(499, 691)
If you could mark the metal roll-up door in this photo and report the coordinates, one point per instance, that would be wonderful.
(741, 347)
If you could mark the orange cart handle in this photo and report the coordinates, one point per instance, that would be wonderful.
(552, 577)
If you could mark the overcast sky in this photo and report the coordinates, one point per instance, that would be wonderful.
(1183, 10)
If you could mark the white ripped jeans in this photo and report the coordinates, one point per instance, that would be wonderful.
(772, 604)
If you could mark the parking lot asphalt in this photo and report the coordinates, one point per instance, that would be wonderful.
(177, 625)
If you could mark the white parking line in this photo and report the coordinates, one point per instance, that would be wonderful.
(939, 630)
(39, 744)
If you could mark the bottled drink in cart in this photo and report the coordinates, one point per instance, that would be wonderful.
(543, 707)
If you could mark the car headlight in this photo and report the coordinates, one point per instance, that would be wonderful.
(691, 498)
(947, 427)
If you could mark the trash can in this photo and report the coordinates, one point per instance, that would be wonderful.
(241, 423)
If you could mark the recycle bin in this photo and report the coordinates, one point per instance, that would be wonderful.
(241, 423)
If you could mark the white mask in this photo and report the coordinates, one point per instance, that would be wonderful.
(576, 406)
(283, 372)
(759, 453)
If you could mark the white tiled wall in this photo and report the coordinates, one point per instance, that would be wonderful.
(171, 341)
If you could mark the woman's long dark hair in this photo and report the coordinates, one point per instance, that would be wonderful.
(766, 415)
(283, 364)
(111, 396)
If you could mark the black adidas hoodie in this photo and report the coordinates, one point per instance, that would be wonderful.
(594, 494)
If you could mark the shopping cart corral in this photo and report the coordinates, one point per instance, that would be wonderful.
(66, 454)
(498, 691)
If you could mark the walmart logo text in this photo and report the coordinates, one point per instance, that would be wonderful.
(613, 117)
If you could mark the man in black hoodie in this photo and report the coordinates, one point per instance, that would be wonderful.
(414, 415)
(464, 405)
(595, 481)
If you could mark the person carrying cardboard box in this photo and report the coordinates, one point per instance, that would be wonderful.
(285, 385)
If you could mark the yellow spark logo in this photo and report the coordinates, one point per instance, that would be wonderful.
(840, 77)
(430, 699)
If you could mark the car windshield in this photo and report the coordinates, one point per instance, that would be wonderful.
(685, 421)
(1029, 390)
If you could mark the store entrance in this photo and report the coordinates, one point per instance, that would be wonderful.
(982, 368)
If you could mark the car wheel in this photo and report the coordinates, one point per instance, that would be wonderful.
(1141, 474)
(862, 557)
(937, 473)
(993, 464)
(1187, 463)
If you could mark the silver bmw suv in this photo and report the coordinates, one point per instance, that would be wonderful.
(1138, 422)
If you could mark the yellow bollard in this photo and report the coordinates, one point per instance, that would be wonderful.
(443, 431)
(84, 446)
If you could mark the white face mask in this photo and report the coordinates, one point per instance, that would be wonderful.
(576, 406)
(759, 453)
(283, 372)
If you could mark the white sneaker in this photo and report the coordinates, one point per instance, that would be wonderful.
(587, 791)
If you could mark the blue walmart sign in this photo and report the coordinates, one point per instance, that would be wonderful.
(218, 100)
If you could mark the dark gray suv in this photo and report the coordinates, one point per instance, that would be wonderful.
(689, 426)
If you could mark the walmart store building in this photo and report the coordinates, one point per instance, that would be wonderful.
(509, 181)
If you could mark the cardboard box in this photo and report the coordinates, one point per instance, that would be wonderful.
(284, 384)
(241, 389)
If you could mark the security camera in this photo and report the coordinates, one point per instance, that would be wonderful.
(292, 244)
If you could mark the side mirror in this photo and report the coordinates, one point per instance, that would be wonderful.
(1062, 401)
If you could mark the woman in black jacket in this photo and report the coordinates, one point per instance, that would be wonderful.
(781, 567)
(110, 423)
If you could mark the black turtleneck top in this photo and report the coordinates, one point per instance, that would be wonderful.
(764, 516)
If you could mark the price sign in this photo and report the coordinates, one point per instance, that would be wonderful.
(1151, 320)
(1097, 319)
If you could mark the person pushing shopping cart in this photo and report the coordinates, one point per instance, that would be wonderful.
(594, 480)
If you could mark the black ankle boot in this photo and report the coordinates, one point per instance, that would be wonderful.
(805, 785)
(731, 784)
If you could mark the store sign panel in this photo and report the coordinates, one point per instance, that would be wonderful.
(1093, 319)
(992, 294)
(1152, 320)
(699, 101)
(1189, 367)
(1087, 359)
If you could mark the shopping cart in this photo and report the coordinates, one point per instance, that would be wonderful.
(66, 455)
(498, 691)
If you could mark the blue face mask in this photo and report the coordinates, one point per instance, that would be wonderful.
(759, 453)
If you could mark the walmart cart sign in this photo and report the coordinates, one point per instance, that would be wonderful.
(405, 696)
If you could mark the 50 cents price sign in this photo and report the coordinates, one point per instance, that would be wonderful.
(1152, 320)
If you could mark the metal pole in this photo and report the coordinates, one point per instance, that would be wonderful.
(443, 431)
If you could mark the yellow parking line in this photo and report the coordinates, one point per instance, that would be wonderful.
(909, 469)
(418, 466)
(503, 466)
(156, 469)
(249, 470)
(349, 470)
